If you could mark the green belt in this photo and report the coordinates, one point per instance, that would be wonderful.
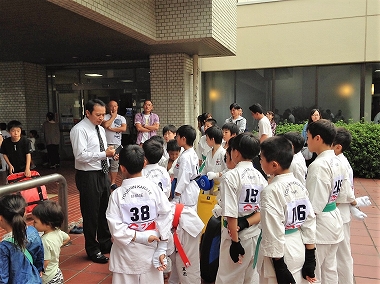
(329, 207)
(247, 216)
(290, 231)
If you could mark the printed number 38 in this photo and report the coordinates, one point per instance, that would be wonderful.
(142, 213)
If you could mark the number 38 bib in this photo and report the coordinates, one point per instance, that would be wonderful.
(139, 215)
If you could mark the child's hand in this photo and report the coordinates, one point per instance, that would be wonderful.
(163, 262)
(146, 237)
(153, 238)
(159, 259)
(11, 169)
(27, 173)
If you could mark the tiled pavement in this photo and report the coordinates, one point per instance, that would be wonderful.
(365, 236)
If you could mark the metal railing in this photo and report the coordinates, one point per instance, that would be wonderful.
(24, 185)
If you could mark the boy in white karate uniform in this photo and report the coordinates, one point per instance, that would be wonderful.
(240, 194)
(138, 216)
(327, 180)
(202, 147)
(186, 170)
(287, 248)
(214, 163)
(344, 259)
(298, 165)
(159, 175)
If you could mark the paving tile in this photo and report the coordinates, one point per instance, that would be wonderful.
(108, 280)
(363, 249)
(85, 277)
(361, 280)
(361, 240)
(369, 260)
(366, 272)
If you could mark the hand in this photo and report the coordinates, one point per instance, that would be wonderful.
(212, 175)
(236, 251)
(308, 267)
(113, 114)
(146, 237)
(27, 173)
(159, 259)
(176, 198)
(110, 151)
(283, 274)
(357, 213)
(363, 201)
(11, 169)
(242, 223)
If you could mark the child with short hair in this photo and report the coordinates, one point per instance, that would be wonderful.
(327, 180)
(203, 148)
(345, 263)
(48, 218)
(17, 263)
(186, 169)
(138, 216)
(298, 165)
(17, 150)
(214, 162)
(229, 130)
(159, 175)
(240, 195)
(168, 132)
(287, 248)
(173, 150)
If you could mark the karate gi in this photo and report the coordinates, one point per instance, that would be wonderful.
(298, 167)
(159, 175)
(135, 205)
(240, 195)
(215, 163)
(344, 259)
(185, 171)
(189, 234)
(202, 148)
(285, 206)
(326, 179)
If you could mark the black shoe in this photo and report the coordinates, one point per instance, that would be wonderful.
(99, 258)
(76, 230)
(106, 248)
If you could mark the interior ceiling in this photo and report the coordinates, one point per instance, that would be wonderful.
(44, 33)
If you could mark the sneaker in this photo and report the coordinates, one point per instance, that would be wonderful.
(113, 186)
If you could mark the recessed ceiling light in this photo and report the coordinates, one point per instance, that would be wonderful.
(74, 57)
(108, 55)
(93, 75)
(377, 70)
(126, 81)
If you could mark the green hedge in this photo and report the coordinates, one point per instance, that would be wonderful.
(364, 152)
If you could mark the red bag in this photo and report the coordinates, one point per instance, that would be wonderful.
(32, 196)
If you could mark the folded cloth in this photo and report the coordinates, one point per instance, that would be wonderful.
(76, 230)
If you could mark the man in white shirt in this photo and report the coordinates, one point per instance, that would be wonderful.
(114, 124)
(88, 139)
(265, 130)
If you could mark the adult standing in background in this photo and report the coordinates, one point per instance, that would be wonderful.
(114, 124)
(147, 123)
(50, 129)
(265, 130)
(236, 117)
(315, 115)
(88, 139)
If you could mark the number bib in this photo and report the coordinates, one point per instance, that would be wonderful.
(138, 216)
(336, 189)
(297, 211)
(249, 199)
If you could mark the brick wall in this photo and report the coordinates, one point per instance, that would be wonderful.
(23, 94)
(171, 89)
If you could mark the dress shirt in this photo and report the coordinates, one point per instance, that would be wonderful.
(86, 148)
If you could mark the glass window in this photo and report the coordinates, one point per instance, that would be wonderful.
(339, 89)
(294, 91)
(218, 94)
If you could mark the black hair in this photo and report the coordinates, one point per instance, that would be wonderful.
(170, 128)
(50, 116)
(247, 144)
(12, 208)
(158, 139)
(278, 149)
(3, 126)
(92, 103)
(310, 120)
(188, 132)
(234, 106)
(153, 151)
(324, 128)
(342, 137)
(172, 145)
(202, 117)
(228, 150)
(256, 108)
(216, 133)
(50, 213)
(14, 124)
(297, 140)
(132, 158)
(34, 133)
(232, 127)
(211, 120)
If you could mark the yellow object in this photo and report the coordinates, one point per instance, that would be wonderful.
(206, 203)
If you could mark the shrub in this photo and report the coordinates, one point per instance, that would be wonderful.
(364, 152)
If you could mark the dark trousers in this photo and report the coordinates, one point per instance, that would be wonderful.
(53, 154)
(94, 192)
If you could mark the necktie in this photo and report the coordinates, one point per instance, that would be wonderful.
(103, 162)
